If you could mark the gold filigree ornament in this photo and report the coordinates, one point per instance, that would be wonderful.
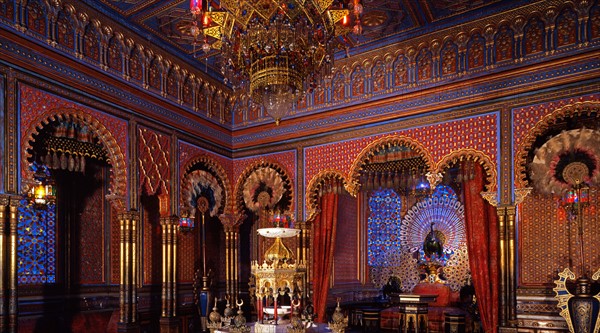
(339, 321)
(563, 295)
(577, 315)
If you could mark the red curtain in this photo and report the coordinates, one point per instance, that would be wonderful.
(481, 222)
(324, 244)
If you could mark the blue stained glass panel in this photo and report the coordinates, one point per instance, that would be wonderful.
(383, 225)
(36, 244)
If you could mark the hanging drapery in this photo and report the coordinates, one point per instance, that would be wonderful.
(324, 244)
(482, 243)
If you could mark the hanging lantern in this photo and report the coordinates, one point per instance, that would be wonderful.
(186, 223)
(196, 6)
(41, 192)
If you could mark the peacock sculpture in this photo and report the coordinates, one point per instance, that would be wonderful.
(432, 244)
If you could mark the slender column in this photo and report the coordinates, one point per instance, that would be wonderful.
(168, 320)
(503, 274)
(127, 292)
(13, 219)
(231, 224)
(511, 264)
(4, 263)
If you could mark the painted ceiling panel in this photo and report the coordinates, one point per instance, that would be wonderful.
(168, 21)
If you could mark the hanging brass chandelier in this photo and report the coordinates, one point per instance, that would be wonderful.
(273, 51)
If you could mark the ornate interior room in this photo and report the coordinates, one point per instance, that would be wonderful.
(299, 166)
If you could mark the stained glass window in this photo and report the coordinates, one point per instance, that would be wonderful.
(444, 191)
(36, 244)
(383, 225)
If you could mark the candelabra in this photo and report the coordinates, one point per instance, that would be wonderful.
(339, 321)
(581, 310)
(214, 319)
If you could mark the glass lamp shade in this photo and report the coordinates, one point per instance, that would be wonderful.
(42, 194)
(186, 223)
(278, 100)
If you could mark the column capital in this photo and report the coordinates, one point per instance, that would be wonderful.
(232, 222)
(491, 197)
(129, 215)
(521, 194)
(169, 220)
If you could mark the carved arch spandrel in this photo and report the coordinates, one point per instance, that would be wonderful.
(214, 167)
(352, 186)
(313, 187)
(468, 154)
(239, 186)
(118, 173)
(567, 111)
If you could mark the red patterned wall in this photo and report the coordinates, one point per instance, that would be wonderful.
(91, 234)
(186, 253)
(36, 103)
(115, 240)
(188, 151)
(525, 118)
(440, 140)
(154, 157)
(545, 235)
(155, 178)
(346, 243)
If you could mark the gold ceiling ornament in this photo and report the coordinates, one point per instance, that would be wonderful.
(272, 51)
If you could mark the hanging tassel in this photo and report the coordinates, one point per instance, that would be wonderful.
(82, 164)
(71, 163)
(63, 162)
(76, 162)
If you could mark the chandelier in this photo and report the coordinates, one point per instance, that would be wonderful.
(273, 51)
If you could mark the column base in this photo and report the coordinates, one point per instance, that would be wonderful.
(169, 325)
(128, 327)
(506, 329)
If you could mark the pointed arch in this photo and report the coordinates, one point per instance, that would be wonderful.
(369, 151)
(478, 156)
(116, 157)
(567, 111)
(313, 187)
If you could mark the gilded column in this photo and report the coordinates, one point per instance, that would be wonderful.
(13, 219)
(4, 263)
(231, 226)
(128, 265)
(511, 264)
(501, 211)
(168, 320)
(511, 252)
(305, 257)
